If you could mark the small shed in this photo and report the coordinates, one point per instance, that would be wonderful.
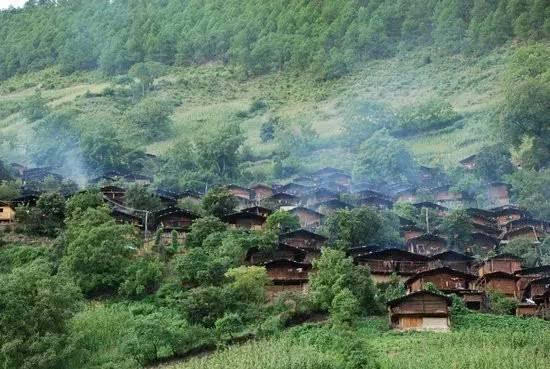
(444, 278)
(422, 310)
(502, 282)
(7, 213)
(245, 220)
(427, 244)
(506, 262)
(303, 239)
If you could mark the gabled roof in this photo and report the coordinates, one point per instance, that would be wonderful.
(486, 214)
(527, 221)
(172, 210)
(261, 185)
(398, 300)
(485, 236)
(519, 230)
(393, 252)
(411, 227)
(362, 250)
(303, 232)
(405, 221)
(282, 195)
(307, 210)
(508, 209)
(257, 209)
(376, 200)
(500, 275)
(442, 270)
(369, 192)
(468, 159)
(505, 255)
(429, 204)
(6, 204)
(451, 255)
(280, 246)
(427, 237)
(534, 270)
(293, 263)
(243, 215)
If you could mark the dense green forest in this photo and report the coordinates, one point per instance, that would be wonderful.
(324, 37)
(198, 94)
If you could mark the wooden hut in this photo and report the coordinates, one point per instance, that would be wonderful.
(245, 220)
(174, 219)
(385, 262)
(502, 282)
(481, 243)
(287, 275)
(498, 193)
(422, 310)
(261, 191)
(259, 210)
(7, 213)
(444, 278)
(239, 191)
(453, 260)
(536, 288)
(294, 189)
(280, 199)
(506, 263)
(507, 213)
(530, 274)
(376, 202)
(427, 244)
(543, 303)
(482, 217)
(469, 162)
(303, 239)
(444, 196)
(330, 206)
(411, 231)
(309, 219)
(114, 193)
(319, 195)
(407, 195)
(526, 232)
(255, 256)
(125, 216)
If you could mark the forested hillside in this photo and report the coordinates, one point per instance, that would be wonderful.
(253, 183)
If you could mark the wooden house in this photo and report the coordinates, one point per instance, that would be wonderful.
(439, 209)
(167, 198)
(530, 274)
(287, 276)
(385, 262)
(245, 220)
(375, 202)
(505, 263)
(481, 244)
(280, 199)
(309, 219)
(444, 196)
(340, 180)
(125, 216)
(254, 256)
(239, 191)
(114, 193)
(303, 239)
(452, 259)
(422, 310)
(507, 213)
(259, 210)
(294, 189)
(427, 244)
(40, 174)
(481, 217)
(261, 191)
(543, 306)
(174, 219)
(319, 195)
(330, 206)
(7, 213)
(407, 195)
(444, 279)
(540, 225)
(536, 288)
(527, 232)
(502, 282)
(411, 231)
(498, 193)
(487, 229)
(469, 162)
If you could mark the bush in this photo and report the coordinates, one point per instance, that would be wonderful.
(500, 304)
(431, 115)
(344, 308)
(142, 277)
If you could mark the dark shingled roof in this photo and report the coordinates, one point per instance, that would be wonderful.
(449, 254)
(303, 232)
(442, 270)
(416, 294)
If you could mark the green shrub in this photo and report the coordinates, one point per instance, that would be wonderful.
(431, 115)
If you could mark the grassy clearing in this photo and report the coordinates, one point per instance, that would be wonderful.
(477, 341)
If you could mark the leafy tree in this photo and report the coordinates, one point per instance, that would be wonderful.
(83, 201)
(526, 106)
(46, 219)
(352, 228)
(35, 107)
(431, 115)
(9, 190)
(248, 283)
(492, 163)
(205, 305)
(199, 267)
(98, 251)
(36, 307)
(333, 273)
(139, 197)
(457, 226)
(363, 119)
(227, 326)
(531, 190)
(219, 202)
(382, 158)
(525, 249)
(149, 120)
(268, 129)
(282, 221)
(501, 304)
(345, 308)
(202, 228)
(142, 277)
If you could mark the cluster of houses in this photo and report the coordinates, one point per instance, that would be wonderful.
(423, 258)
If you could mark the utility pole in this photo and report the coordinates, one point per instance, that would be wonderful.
(427, 221)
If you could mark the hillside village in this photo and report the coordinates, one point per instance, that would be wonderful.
(424, 258)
